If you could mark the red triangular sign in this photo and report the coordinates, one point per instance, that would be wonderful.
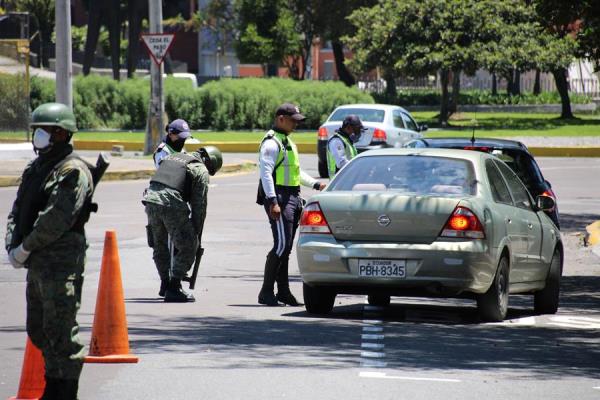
(158, 45)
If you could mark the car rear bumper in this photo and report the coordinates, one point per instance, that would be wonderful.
(440, 268)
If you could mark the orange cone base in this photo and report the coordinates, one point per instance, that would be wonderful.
(112, 359)
(18, 398)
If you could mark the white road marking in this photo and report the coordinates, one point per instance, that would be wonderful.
(517, 321)
(372, 328)
(383, 375)
(373, 364)
(372, 321)
(368, 345)
(372, 354)
(368, 336)
(597, 387)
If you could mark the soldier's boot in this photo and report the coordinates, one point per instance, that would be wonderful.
(175, 294)
(164, 283)
(266, 295)
(67, 389)
(50, 390)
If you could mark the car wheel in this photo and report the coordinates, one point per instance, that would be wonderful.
(493, 304)
(323, 171)
(546, 300)
(317, 300)
(380, 300)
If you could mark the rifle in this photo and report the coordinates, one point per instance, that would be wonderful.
(199, 253)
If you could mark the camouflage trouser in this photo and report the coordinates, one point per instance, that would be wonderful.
(173, 222)
(52, 304)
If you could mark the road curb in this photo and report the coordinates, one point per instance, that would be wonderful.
(7, 181)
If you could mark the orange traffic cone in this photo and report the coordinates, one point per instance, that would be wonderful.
(110, 341)
(32, 382)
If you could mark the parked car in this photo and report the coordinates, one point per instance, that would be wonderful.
(432, 223)
(515, 154)
(387, 126)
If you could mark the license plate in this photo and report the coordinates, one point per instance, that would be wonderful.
(382, 268)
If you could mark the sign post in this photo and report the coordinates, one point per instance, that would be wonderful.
(157, 44)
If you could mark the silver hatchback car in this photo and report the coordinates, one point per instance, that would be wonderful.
(430, 223)
(387, 126)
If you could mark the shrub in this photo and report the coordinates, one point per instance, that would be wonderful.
(14, 105)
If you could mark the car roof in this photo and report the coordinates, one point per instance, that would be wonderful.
(444, 142)
(372, 106)
(473, 156)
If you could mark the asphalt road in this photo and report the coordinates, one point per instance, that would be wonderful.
(226, 346)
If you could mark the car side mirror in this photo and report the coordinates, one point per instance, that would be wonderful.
(545, 203)
(423, 128)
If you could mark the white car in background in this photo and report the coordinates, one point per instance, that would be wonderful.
(387, 126)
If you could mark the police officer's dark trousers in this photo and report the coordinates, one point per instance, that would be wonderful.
(284, 231)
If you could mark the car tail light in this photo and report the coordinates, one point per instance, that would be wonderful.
(313, 220)
(463, 223)
(478, 148)
(322, 135)
(379, 135)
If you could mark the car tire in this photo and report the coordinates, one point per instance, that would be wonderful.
(380, 300)
(493, 304)
(546, 300)
(323, 171)
(317, 300)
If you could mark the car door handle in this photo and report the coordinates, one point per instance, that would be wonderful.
(508, 220)
(529, 225)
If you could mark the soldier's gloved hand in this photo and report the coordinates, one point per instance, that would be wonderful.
(18, 256)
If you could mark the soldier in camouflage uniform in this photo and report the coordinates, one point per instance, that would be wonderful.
(179, 184)
(45, 234)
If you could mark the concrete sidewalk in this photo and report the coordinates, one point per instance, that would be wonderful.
(15, 156)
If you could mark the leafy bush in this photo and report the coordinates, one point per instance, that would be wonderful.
(101, 102)
(14, 107)
(432, 97)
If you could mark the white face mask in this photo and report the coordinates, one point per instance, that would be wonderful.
(41, 139)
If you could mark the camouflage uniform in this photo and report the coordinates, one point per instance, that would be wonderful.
(169, 214)
(55, 267)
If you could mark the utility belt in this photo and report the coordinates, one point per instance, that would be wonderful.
(279, 189)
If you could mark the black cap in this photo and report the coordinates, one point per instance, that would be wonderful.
(353, 120)
(290, 110)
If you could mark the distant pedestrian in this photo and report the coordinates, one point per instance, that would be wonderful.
(177, 133)
(279, 193)
(179, 185)
(340, 147)
(45, 234)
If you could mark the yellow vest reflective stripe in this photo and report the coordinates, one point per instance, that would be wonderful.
(349, 149)
(287, 172)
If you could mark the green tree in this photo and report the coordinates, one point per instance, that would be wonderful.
(42, 12)
(588, 34)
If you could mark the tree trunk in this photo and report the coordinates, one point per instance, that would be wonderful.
(453, 108)
(517, 83)
(509, 83)
(338, 55)
(93, 33)
(390, 86)
(537, 84)
(560, 77)
(135, 11)
(45, 48)
(494, 84)
(444, 79)
(114, 25)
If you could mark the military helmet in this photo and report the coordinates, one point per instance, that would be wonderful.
(54, 114)
(212, 158)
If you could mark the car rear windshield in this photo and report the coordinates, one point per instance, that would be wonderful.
(365, 114)
(410, 174)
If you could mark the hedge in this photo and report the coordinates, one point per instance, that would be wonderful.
(432, 97)
(101, 102)
(14, 108)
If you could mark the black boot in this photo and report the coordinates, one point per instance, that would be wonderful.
(164, 283)
(67, 389)
(286, 297)
(175, 294)
(266, 295)
(50, 389)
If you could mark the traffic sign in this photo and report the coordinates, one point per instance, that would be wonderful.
(158, 45)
